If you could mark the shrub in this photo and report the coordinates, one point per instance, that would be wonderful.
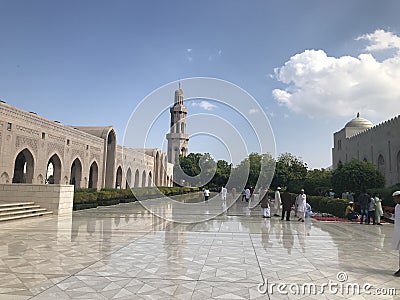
(89, 198)
(83, 197)
(336, 207)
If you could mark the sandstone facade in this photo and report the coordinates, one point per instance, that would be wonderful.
(379, 144)
(37, 150)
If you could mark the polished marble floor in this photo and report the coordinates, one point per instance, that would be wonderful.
(125, 252)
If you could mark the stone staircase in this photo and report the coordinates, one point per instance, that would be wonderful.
(21, 210)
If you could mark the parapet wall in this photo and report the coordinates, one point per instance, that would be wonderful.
(57, 198)
(386, 125)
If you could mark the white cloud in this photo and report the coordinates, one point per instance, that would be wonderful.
(381, 40)
(320, 85)
(204, 105)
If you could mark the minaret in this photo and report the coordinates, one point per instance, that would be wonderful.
(177, 137)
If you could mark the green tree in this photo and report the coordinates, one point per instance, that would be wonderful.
(290, 172)
(190, 163)
(317, 180)
(254, 171)
(201, 169)
(222, 173)
(356, 176)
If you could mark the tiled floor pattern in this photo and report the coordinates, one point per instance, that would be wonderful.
(124, 252)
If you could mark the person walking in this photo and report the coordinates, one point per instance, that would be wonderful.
(364, 200)
(396, 233)
(371, 211)
(378, 209)
(206, 193)
(286, 205)
(278, 202)
(301, 201)
(224, 191)
(265, 206)
(247, 194)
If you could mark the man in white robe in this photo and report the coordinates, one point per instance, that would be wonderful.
(301, 201)
(224, 191)
(278, 202)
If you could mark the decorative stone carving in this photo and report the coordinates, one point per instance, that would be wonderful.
(77, 152)
(56, 138)
(5, 178)
(54, 147)
(23, 140)
(27, 130)
(95, 156)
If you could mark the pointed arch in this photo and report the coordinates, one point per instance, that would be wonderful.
(24, 167)
(137, 178)
(76, 173)
(53, 173)
(93, 175)
(110, 159)
(144, 178)
(118, 178)
(129, 178)
(150, 180)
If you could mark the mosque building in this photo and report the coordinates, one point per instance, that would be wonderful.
(37, 150)
(378, 144)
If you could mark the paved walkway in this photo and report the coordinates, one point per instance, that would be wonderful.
(125, 252)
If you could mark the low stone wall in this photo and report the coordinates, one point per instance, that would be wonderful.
(58, 198)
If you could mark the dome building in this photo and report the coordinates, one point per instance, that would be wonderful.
(379, 144)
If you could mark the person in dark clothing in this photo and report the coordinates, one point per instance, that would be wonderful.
(364, 200)
(287, 203)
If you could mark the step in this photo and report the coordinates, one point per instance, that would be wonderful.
(17, 208)
(25, 211)
(17, 217)
(15, 204)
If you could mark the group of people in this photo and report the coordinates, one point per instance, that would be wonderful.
(283, 205)
(247, 193)
(370, 208)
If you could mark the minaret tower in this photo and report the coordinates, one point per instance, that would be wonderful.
(177, 137)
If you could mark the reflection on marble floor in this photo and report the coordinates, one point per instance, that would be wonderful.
(125, 252)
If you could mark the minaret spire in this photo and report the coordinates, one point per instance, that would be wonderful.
(177, 137)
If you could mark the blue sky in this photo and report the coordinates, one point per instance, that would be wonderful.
(311, 65)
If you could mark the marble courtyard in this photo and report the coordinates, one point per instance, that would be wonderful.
(125, 252)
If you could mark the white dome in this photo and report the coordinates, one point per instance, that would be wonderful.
(359, 122)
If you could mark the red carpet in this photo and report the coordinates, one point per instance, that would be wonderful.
(336, 219)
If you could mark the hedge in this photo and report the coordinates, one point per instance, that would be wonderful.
(91, 198)
(333, 206)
